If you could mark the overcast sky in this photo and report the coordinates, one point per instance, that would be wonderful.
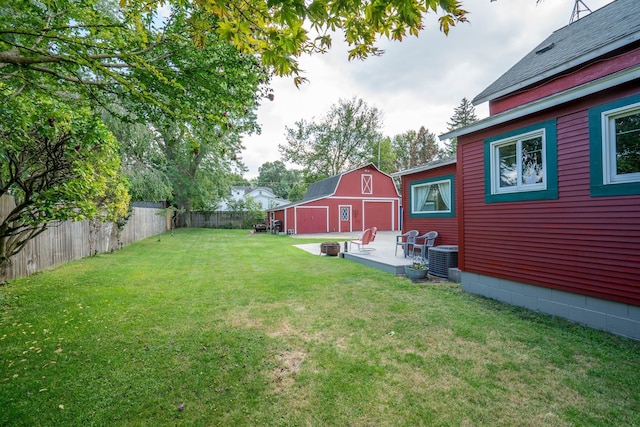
(417, 82)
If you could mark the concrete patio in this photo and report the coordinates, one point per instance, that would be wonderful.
(381, 253)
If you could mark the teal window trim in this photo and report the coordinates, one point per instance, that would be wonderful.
(596, 165)
(551, 165)
(450, 214)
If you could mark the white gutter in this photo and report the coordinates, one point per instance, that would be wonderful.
(548, 102)
(425, 167)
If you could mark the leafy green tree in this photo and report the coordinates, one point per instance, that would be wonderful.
(382, 155)
(90, 55)
(463, 115)
(143, 162)
(298, 191)
(98, 51)
(401, 146)
(414, 148)
(58, 163)
(76, 51)
(426, 146)
(195, 146)
(93, 44)
(276, 176)
(238, 180)
(249, 210)
(201, 151)
(198, 172)
(339, 142)
(282, 31)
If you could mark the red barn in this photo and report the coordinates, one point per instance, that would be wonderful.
(351, 201)
(548, 186)
(428, 196)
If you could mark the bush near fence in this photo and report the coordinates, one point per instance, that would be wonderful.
(66, 241)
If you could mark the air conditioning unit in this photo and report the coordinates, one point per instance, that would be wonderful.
(441, 259)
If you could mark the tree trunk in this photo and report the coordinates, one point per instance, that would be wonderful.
(5, 265)
(185, 214)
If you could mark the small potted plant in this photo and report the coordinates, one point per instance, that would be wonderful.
(417, 270)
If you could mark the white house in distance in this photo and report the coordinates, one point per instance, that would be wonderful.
(264, 196)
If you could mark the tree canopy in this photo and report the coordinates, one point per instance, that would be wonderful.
(58, 163)
(413, 148)
(340, 141)
(64, 63)
(276, 176)
(104, 53)
(281, 31)
(198, 150)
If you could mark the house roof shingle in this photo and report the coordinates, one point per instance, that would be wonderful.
(599, 33)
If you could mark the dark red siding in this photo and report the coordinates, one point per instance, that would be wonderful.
(447, 228)
(577, 243)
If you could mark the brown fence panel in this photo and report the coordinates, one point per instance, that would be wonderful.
(217, 219)
(66, 241)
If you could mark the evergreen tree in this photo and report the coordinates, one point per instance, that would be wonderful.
(463, 115)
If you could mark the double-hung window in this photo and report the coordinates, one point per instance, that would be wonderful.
(522, 165)
(614, 134)
(621, 146)
(518, 164)
(432, 197)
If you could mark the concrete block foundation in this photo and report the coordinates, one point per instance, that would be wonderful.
(617, 318)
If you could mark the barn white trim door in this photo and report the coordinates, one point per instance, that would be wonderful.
(344, 224)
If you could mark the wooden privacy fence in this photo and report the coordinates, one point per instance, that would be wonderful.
(220, 219)
(66, 241)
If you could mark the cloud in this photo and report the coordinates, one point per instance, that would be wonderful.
(417, 82)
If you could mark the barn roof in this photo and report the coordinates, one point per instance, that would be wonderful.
(599, 33)
(323, 188)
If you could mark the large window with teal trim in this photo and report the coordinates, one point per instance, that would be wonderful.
(432, 198)
(522, 165)
(614, 131)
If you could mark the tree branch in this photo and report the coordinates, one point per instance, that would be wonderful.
(69, 78)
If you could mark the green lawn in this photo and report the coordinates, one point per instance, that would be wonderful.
(210, 327)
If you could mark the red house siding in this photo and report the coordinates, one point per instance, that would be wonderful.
(577, 243)
(447, 228)
(559, 84)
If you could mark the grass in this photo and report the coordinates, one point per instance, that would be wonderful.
(209, 328)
